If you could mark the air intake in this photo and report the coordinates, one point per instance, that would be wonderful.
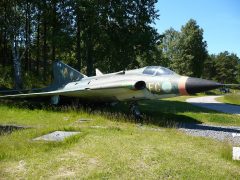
(140, 85)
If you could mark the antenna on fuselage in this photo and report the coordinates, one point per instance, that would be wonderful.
(98, 72)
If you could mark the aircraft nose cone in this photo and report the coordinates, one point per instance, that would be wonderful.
(196, 85)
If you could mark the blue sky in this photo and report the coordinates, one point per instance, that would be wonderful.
(220, 20)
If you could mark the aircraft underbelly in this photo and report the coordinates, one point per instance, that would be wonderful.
(119, 94)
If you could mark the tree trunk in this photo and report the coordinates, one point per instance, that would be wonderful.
(45, 49)
(16, 64)
(5, 57)
(26, 38)
(78, 50)
(38, 43)
(1, 45)
(45, 41)
(89, 52)
(29, 38)
(54, 31)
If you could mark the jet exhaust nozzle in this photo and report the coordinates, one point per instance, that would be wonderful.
(196, 85)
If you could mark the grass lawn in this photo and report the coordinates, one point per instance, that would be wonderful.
(112, 146)
(230, 98)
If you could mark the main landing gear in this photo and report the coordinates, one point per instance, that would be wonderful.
(136, 112)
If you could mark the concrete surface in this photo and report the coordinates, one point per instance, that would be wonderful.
(211, 103)
(56, 136)
(236, 153)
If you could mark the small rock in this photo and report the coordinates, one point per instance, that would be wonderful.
(84, 120)
(98, 127)
(236, 153)
(236, 134)
(66, 118)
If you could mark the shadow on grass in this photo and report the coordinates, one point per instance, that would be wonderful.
(157, 112)
(170, 106)
(166, 113)
(161, 113)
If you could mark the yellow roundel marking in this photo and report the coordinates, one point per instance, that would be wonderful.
(182, 85)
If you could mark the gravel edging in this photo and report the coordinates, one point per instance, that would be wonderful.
(229, 134)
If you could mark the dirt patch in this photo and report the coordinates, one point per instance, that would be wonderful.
(7, 129)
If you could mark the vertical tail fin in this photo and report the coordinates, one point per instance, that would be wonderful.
(64, 74)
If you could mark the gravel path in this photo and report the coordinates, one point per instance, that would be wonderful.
(230, 134)
(210, 103)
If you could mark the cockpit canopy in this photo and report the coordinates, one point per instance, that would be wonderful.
(157, 71)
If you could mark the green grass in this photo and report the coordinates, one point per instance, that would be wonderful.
(112, 146)
(232, 98)
(176, 110)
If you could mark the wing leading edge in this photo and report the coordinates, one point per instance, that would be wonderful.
(88, 91)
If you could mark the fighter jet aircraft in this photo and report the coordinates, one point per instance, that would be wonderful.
(151, 82)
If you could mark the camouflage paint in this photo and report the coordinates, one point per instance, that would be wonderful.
(119, 86)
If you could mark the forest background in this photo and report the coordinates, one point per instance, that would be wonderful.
(109, 35)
